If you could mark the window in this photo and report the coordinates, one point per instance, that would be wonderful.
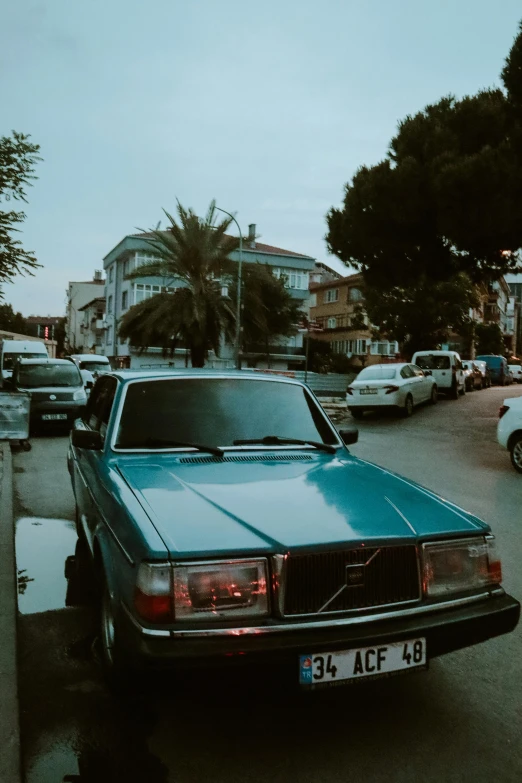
(312, 300)
(331, 295)
(109, 304)
(407, 372)
(361, 346)
(122, 340)
(433, 362)
(100, 403)
(294, 278)
(125, 267)
(145, 258)
(217, 411)
(145, 291)
(354, 295)
(377, 374)
(124, 300)
(332, 323)
(416, 370)
(109, 335)
(111, 273)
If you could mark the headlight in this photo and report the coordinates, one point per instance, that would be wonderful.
(457, 566)
(80, 395)
(221, 590)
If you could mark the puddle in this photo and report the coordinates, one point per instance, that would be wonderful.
(42, 546)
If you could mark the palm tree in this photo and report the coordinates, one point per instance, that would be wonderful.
(194, 252)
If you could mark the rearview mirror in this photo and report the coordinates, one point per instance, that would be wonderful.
(87, 439)
(349, 437)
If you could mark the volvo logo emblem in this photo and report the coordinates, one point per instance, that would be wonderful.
(52, 397)
(355, 574)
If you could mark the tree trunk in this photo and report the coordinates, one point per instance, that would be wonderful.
(197, 355)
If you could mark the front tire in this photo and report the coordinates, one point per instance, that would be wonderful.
(115, 663)
(434, 395)
(516, 453)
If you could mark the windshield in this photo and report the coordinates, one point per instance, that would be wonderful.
(95, 366)
(377, 374)
(217, 412)
(33, 376)
(10, 359)
(431, 362)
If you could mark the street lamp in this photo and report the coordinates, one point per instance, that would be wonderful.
(238, 305)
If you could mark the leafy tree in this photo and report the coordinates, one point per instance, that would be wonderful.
(11, 321)
(194, 251)
(269, 310)
(443, 206)
(489, 339)
(18, 157)
(422, 315)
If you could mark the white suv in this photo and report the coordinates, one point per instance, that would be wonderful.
(509, 429)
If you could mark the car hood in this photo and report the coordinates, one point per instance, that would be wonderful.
(202, 506)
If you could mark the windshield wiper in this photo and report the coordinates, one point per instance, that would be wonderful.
(158, 443)
(275, 440)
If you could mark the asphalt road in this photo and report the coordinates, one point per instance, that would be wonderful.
(460, 721)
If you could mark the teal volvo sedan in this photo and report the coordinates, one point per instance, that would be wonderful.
(221, 515)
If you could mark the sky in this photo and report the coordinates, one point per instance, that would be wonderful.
(269, 108)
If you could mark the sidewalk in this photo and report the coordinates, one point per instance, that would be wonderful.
(9, 719)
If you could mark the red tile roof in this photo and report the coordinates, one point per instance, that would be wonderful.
(259, 247)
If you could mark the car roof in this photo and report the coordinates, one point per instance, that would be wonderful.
(435, 353)
(386, 365)
(89, 357)
(43, 360)
(138, 375)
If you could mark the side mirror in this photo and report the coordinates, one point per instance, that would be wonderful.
(87, 439)
(428, 372)
(349, 437)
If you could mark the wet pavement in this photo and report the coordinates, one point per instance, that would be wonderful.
(460, 721)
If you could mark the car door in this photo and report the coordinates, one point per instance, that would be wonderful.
(87, 463)
(423, 383)
(416, 383)
(408, 383)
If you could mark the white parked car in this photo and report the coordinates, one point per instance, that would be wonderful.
(509, 429)
(516, 371)
(399, 386)
(446, 368)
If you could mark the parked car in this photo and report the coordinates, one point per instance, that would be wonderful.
(498, 368)
(221, 514)
(12, 350)
(400, 386)
(91, 363)
(516, 371)
(484, 371)
(446, 368)
(56, 388)
(509, 430)
(472, 375)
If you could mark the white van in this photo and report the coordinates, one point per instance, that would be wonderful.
(97, 365)
(446, 368)
(11, 350)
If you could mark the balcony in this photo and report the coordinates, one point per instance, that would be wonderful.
(273, 350)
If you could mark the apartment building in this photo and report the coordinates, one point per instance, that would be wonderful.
(121, 293)
(338, 308)
(78, 295)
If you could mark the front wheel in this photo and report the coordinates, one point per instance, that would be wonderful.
(115, 663)
(408, 407)
(434, 395)
(516, 453)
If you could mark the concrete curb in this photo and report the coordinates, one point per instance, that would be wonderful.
(10, 767)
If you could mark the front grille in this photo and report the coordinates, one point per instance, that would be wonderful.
(62, 396)
(340, 581)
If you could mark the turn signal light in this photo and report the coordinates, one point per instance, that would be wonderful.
(502, 410)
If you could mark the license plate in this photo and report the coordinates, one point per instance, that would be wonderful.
(54, 416)
(380, 661)
(368, 391)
